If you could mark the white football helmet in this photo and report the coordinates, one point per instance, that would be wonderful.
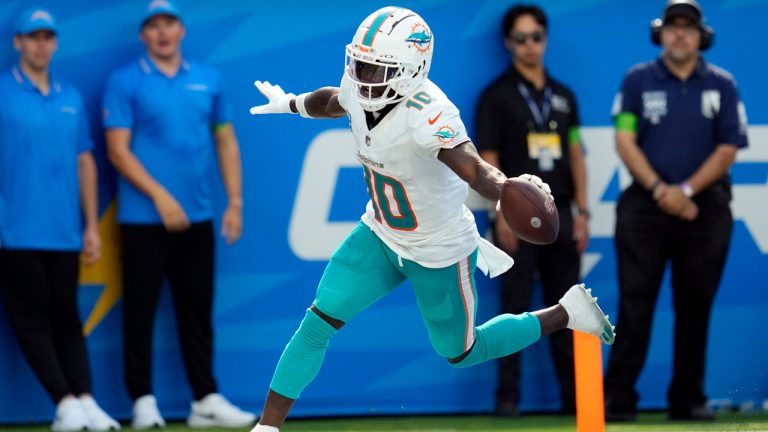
(389, 57)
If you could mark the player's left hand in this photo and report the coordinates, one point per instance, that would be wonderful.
(279, 100)
(232, 224)
(91, 245)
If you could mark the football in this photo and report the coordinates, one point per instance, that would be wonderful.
(529, 210)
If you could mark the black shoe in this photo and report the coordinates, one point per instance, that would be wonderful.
(698, 413)
(620, 416)
(506, 409)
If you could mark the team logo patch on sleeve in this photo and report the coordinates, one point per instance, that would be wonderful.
(446, 134)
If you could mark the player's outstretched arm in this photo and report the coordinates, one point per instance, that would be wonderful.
(481, 176)
(321, 103)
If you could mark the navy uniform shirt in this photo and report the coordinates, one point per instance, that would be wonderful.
(680, 123)
(503, 121)
(172, 121)
(41, 137)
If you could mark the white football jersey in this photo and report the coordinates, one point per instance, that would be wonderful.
(417, 202)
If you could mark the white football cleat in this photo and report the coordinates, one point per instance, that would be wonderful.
(70, 416)
(216, 411)
(145, 413)
(99, 420)
(585, 315)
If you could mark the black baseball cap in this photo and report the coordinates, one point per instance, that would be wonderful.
(683, 9)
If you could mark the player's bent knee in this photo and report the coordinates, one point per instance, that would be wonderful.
(337, 324)
(459, 362)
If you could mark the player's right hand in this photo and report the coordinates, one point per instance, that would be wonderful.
(172, 214)
(279, 101)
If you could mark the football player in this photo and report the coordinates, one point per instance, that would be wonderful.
(418, 162)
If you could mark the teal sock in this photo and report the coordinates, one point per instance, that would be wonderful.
(302, 357)
(500, 336)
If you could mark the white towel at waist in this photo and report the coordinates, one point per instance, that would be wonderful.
(491, 260)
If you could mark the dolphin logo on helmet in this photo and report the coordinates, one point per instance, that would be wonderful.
(421, 38)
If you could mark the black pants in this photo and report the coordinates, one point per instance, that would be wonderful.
(40, 293)
(150, 253)
(646, 239)
(557, 266)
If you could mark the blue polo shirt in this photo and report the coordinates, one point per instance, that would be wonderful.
(41, 137)
(171, 122)
(680, 123)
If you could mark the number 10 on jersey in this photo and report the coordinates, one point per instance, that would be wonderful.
(390, 201)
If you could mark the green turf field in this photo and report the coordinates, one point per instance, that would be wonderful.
(646, 422)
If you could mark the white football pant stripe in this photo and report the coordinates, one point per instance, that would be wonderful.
(468, 295)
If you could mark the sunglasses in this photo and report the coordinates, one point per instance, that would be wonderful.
(520, 38)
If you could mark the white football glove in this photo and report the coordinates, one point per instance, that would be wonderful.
(538, 182)
(279, 101)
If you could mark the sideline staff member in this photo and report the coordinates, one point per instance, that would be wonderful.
(165, 117)
(47, 186)
(679, 123)
(528, 122)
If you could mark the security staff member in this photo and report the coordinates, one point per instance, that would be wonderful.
(165, 117)
(679, 123)
(47, 187)
(527, 122)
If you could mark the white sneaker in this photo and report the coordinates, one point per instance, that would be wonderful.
(70, 416)
(585, 315)
(145, 413)
(264, 428)
(98, 419)
(215, 411)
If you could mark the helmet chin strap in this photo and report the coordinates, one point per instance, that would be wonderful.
(390, 97)
(378, 106)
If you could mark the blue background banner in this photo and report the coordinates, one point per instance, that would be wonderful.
(303, 191)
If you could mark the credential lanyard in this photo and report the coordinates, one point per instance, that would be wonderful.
(540, 116)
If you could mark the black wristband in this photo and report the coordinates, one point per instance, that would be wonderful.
(583, 212)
